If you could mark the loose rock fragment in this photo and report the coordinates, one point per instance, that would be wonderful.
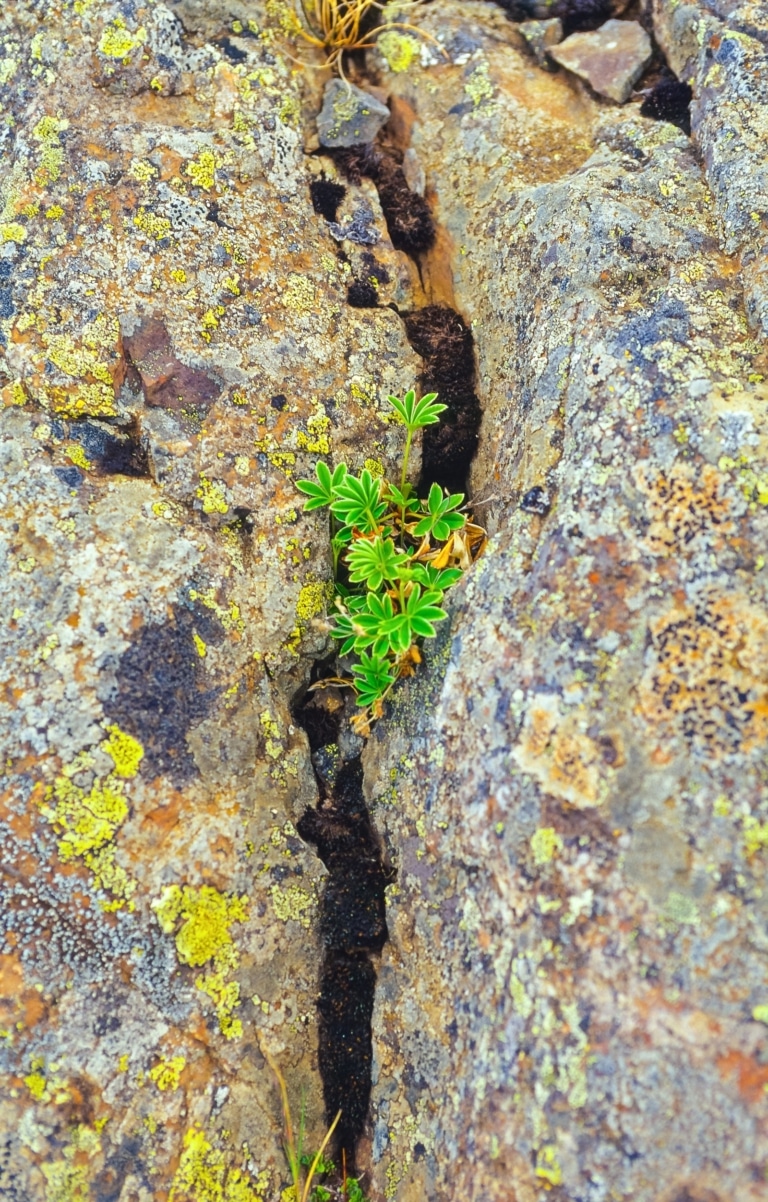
(349, 116)
(541, 36)
(611, 59)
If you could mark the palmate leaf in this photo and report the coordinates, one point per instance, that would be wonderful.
(372, 561)
(357, 502)
(435, 578)
(440, 520)
(386, 629)
(322, 491)
(413, 413)
(373, 676)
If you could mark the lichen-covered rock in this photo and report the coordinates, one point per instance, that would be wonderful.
(349, 116)
(176, 349)
(722, 52)
(572, 1004)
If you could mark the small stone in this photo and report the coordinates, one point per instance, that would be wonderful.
(541, 36)
(349, 115)
(611, 59)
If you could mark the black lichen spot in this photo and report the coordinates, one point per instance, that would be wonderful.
(445, 343)
(113, 452)
(537, 500)
(326, 197)
(279, 402)
(361, 294)
(161, 692)
(234, 53)
(669, 100)
(72, 477)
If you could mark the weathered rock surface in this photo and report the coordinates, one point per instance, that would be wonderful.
(576, 792)
(349, 116)
(541, 36)
(611, 59)
(177, 347)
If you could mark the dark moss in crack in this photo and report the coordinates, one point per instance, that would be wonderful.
(353, 925)
(444, 341)
(326, 197)
(409, 219)
(669, 100)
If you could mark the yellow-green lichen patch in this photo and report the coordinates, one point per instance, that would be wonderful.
(398, 50)
(51, 159)
(87, 821)
(313, 599)
(316, 439)
(126, 752)
(211, 493)
(292, 902)
(151, 224)
(117, 41)
(87, 361)
(299, 294)
(67, 1179)
(204, 1176)
(167, 1073)
(12, 231)
(479, 87)
(204, 937)
(545, 844)
(202, 170)
(547, 1165)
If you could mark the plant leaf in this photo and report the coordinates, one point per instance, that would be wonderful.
(321, 491)
(357, 502)
(413, 413)
(372, 561)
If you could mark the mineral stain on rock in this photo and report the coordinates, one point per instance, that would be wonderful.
(165, 380)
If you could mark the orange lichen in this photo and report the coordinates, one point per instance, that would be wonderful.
(709, 677)
(686, 503)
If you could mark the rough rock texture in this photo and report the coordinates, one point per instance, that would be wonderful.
(176, 348)
(722, 51)
(611, 59)
(541, 36)
(576, 790)
(349, 115)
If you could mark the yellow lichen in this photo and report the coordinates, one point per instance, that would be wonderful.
(126, 751)
(316, 440)
(204, 1176)
(54, 212)
(292, 902)
(545, 844)
(299, 294)
(212, 496)
(398, 49)
(313, 599)
(77, 455)
(547, 1166)
(204, 936)
(200, 645)
(478, 86)
(118, 42)
(142, 170)
(152, 225)
(167, 1073)
(12, 231)
(202, 170)
(46, 132)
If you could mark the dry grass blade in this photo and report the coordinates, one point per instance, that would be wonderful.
(340, 26)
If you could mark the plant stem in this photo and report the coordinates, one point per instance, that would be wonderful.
(406, 455)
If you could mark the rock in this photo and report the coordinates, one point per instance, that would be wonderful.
(349, 115)
(176, 348)
(724, 58)
(541, 36)
(573, 792)
(611, 59)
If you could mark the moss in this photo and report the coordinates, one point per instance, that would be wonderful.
(167, 1073)
(203, 1175)
(126, 752)
(545, 844)
(398, 50)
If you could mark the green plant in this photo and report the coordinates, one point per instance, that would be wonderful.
(394, 555)
(303, 1167)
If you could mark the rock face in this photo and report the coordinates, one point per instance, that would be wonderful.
(349, 115)
(571, 1004)
(177, 347)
